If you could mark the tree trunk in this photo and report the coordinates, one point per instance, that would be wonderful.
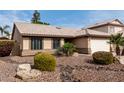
(117, 50)
(122, 52)
(110, 48)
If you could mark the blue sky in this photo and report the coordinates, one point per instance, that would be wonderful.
(66, 18)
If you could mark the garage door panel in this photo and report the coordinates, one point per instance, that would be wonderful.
(99, 45)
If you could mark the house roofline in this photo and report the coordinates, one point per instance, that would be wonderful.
(121, 25)
(55, 36)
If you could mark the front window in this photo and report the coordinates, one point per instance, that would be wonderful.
(56, 43)
(36, 43)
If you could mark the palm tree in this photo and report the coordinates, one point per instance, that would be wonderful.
(7, 33)
(117, 41)
(122, 46)
(3, 30)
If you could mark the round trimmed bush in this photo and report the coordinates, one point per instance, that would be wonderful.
(44, 62)
(102, 57)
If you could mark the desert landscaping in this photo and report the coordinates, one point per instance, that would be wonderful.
(69, 69)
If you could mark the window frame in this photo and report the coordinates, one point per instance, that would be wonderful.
(58, 43)
(36, 43)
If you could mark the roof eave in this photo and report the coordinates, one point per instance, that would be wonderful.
(105, 25)
(41, 35)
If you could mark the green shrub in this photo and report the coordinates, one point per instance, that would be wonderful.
(60, 51)
(102, 57)
(68, 49)
(44, 62)
(6, 47)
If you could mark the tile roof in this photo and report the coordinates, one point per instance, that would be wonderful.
(44, 30)
(89, 32)
(103, 23)
(28, 29)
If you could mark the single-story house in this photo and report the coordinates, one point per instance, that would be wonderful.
(32, 38)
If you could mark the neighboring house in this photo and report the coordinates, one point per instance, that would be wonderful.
(33, 38)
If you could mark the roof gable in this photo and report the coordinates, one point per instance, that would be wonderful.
(112, 22)
(116, 21)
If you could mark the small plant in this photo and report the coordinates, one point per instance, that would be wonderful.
(6, 47)
(59, 51)
(44, 62)
(67, 49)
(102, 57)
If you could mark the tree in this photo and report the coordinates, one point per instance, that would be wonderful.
(4, 30)
(117, 41)
(36, 18)
(7, 33)
(122, 46)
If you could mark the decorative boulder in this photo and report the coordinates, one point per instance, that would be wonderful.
(35, 73)
(75, 54)
(25, 72)
(24, 75)
(24, 67)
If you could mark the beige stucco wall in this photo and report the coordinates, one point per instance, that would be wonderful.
(116, 29)
(102, 28)
(91, 44)
(81, 42)
(108, 29)
(47, 43)
(26, 43)
(47, 46)
(18, 42)
(62, 42)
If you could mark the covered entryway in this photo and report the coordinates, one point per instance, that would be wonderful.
(99, 44)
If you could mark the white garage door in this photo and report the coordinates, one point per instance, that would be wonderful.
(99, 45)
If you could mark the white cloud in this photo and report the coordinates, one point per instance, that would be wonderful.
(9, 17)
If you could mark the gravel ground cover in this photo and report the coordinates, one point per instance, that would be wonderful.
(69, 69)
